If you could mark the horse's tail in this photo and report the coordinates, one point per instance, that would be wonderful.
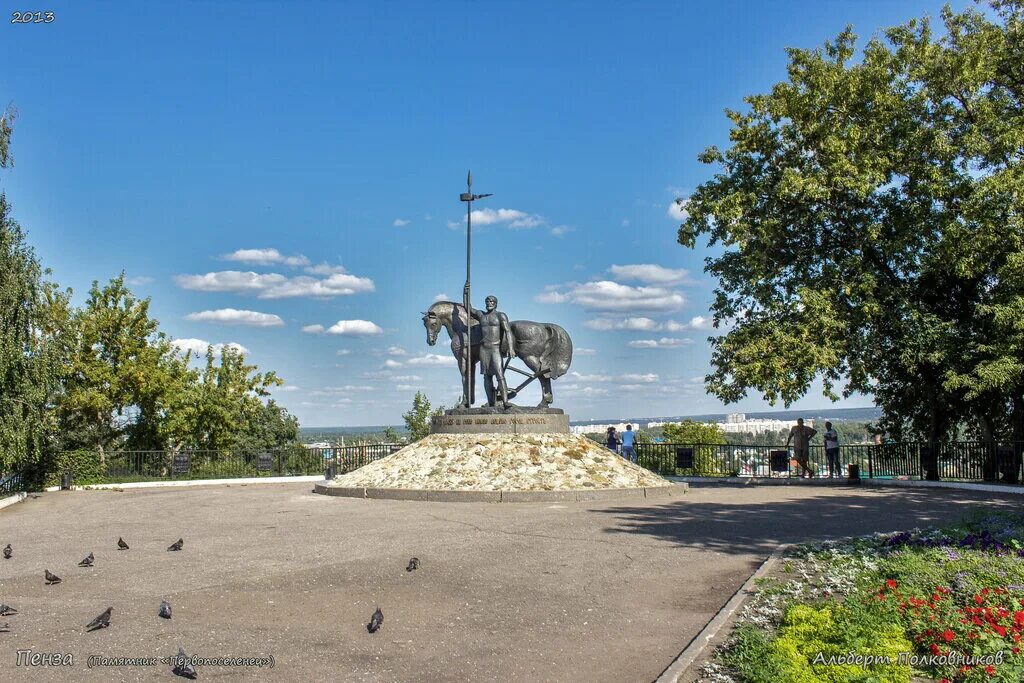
(558, 351)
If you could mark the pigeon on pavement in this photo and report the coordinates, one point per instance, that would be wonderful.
(7, 610)
(87, 562)
(8, 552)
(121, 545)
(102, 621)
(177, 545)
(376, 621)
(51, 578)
(165, 609)
(414, 564)
(182, 667)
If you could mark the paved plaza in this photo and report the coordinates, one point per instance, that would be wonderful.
(607, 591)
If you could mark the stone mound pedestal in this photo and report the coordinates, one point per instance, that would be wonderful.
(500, 467)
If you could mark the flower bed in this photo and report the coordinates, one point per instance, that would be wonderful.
(937, 605)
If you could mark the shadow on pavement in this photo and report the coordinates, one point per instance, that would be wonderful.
(756, 520)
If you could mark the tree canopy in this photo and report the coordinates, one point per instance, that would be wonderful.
(869, 208)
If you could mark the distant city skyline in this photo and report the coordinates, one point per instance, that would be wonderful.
(287, 181)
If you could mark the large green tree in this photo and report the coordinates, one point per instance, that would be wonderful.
(417, 419)
(870, 213)
(28, 360)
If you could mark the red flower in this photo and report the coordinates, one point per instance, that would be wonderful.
(977, 599)
(1001, 630)
(990, 670)
(948, 635)
(891, 583)
(935, 649)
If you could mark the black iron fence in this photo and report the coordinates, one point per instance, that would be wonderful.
(113, 467)
(957, 461)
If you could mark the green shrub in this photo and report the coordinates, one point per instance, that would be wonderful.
(85, 468)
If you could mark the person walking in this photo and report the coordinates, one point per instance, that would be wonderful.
(801, 437)
(612, 440)
(832, 451)
(628, 438)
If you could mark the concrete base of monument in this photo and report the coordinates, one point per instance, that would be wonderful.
(511, 420)
(501, 468)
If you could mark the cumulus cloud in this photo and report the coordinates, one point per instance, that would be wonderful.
(663, 343)
(645, 378)
(406, 387)
(198, 346)
(677, 210)
(348, 328)
(400, 223)
(650, 274)
(441, 297)
(605, 295)
(432, 360)
(396, 351)
(405, 378)
(390, 364)
(232, 316)
(265, 257)
(275, 285)
(560, 230)
(139, 280)
(513, 218)
(640, 324)
(315, 329)
(325, 269)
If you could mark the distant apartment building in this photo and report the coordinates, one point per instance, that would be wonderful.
(601, 429)
(737, 423)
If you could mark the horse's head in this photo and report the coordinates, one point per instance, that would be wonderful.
(433, 325)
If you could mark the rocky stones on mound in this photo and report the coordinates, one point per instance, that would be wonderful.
(502, 462)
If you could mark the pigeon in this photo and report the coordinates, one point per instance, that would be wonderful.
(8, 552)
(165, 609)
(51, 578)
(414, 564)
(7, 610)
(376, 621)
(177, 545)
(87, 562)
(6, 628)
(102, 621)
(182, 666)
(121, 545)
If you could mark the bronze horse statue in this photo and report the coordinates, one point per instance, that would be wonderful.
(545, 347)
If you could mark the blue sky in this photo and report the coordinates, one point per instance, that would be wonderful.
(261, 169)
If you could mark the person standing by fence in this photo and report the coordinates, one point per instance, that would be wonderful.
(612, 440)
(801, 437)
(832, 451)
(628, 451)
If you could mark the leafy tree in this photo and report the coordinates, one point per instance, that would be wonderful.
(871, 214)
(124, 373)
(272, 428)
(29, 361)
(689, 431)
(417, 420)
(391, 435)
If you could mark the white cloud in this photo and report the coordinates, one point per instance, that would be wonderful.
(441, 297)
(406, 387)
(663, 343)
(605, 295)
(265, 257)
(406, 378)
(314, 329)
(584, 352)
(639, 324)
(340, 352)
(396, 351)
(199, 346)
(400, 223)
(390, 363)
(355, 328)
(514, 218)
(139, 280)
(699, 322)
(275, 285)
(325, 269)
(232, 316)
(677, 210)
(432, 359)
(650, 274)
(560, 230)
(287, 387)
(645, 378)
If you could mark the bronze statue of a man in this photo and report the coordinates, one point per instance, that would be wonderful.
(496, 343)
